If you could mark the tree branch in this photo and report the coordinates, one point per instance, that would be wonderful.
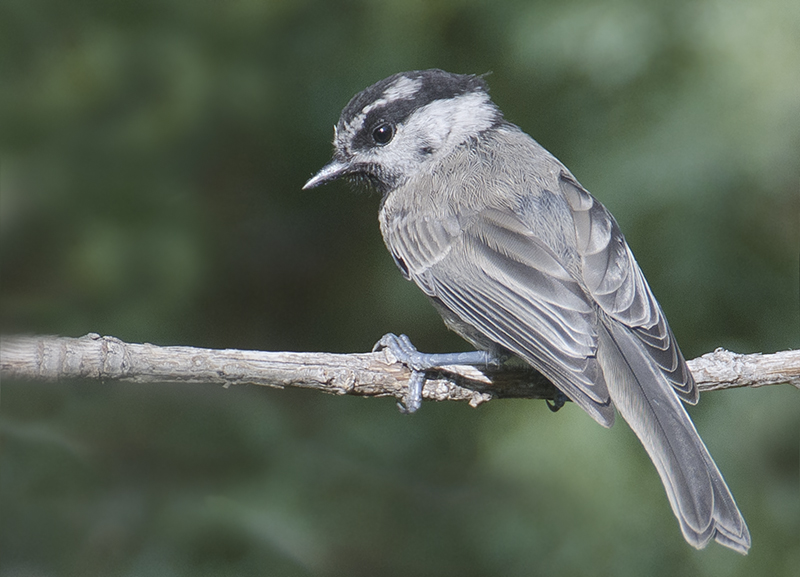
(47, 358)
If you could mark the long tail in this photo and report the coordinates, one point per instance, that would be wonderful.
(697, 492)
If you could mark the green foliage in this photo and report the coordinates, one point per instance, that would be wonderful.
(151, 159)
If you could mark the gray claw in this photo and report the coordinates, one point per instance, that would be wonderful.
(413, 398)
(419, 363)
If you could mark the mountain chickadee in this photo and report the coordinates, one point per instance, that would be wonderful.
(520, 259)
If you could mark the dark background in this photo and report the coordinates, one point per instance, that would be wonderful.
(151, 160)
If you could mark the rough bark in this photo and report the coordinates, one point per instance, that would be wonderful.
(44, 358)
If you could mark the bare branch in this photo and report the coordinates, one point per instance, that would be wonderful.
(365, 374)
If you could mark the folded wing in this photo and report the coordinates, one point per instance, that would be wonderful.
(494, 274)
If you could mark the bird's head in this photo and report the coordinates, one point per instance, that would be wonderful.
(405, 123)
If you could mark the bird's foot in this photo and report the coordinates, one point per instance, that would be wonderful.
(558, 401)
(420, 363)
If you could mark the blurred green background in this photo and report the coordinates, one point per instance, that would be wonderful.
(151, 160)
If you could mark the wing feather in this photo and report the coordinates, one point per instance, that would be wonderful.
(617, 284)
(503, 282)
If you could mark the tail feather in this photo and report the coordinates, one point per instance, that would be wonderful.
(696, 490)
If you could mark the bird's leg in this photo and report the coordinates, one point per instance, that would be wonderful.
(420, 363)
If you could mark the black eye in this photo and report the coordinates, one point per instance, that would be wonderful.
(383, 134)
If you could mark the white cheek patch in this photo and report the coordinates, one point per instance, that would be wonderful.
(434, 131)
(444, 124)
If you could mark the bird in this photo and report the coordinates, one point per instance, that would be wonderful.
(522, 261)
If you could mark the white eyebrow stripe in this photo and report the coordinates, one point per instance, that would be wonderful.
(401, 89)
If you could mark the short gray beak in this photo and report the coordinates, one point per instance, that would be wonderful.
(333, 170)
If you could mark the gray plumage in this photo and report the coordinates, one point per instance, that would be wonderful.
(519, 258)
